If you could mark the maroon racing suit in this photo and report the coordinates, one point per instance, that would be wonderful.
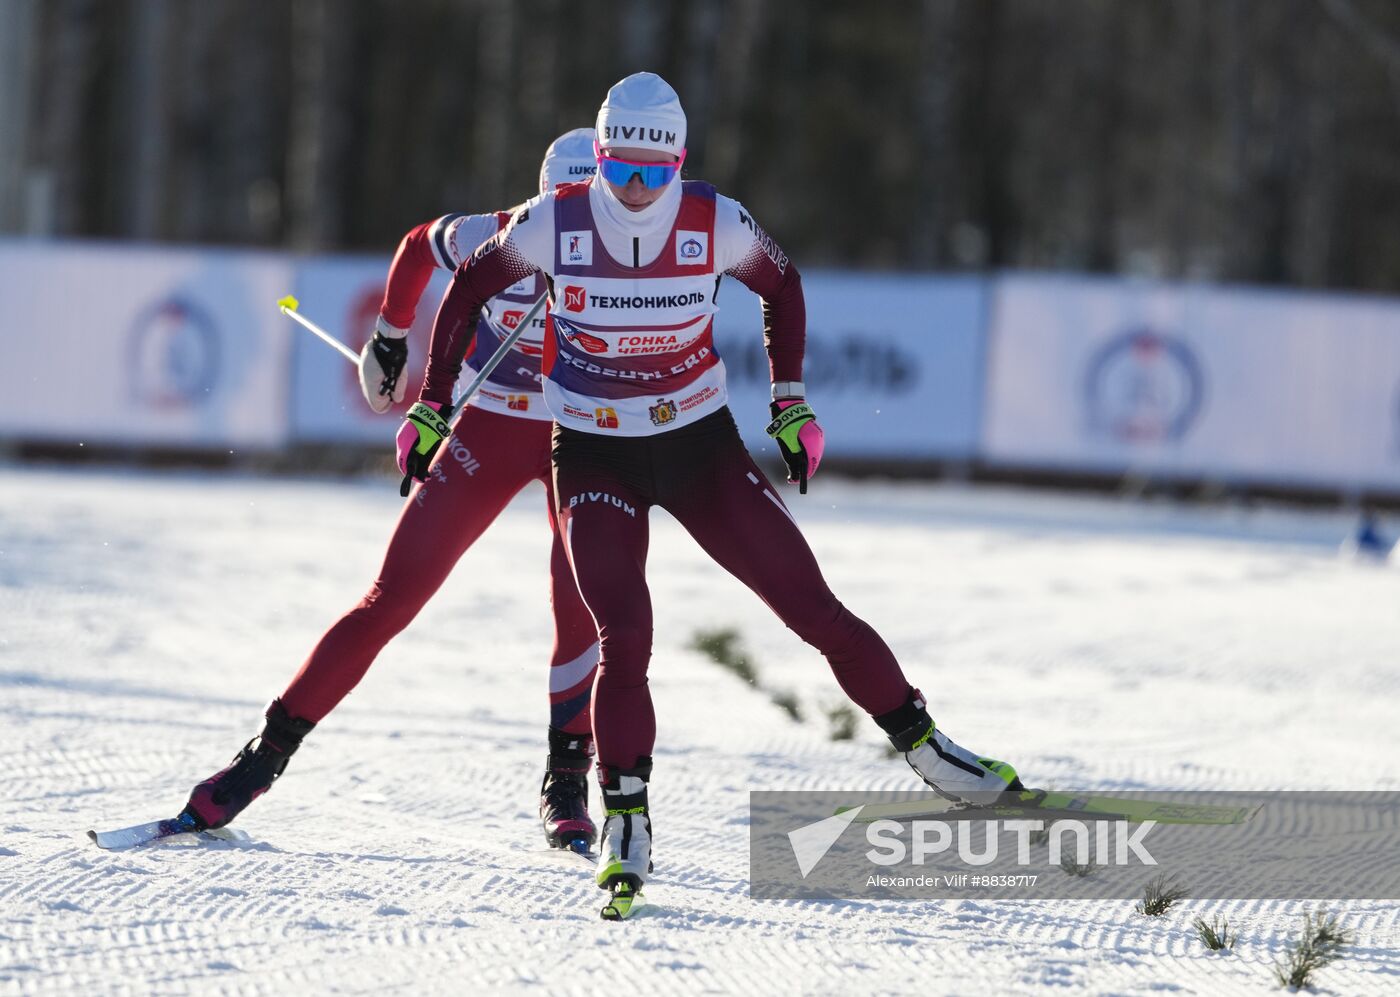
(500, 444)
(703, 476)
(640, 426)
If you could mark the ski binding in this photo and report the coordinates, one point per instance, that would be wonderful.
(626, 900)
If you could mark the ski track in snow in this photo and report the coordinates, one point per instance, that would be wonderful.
(1098, 644)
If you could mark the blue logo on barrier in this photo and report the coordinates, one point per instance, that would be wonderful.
(174, 355)
(1143, 387)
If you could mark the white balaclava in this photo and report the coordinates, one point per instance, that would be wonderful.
(641, 112)
(569, 159)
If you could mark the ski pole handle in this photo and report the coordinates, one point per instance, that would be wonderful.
(288, 307)
(418, 437)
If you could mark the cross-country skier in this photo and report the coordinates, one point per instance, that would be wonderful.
(638, 394)
(499, 446)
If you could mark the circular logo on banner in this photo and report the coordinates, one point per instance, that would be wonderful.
(1143, 387)
(174, 355)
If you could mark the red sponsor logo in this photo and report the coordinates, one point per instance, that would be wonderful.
(606, 418)
(511, 318)
(590, 343)
(530, 350)
(575, 298)
(703, 395)
(520, 403)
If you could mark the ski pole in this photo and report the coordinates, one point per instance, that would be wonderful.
(288, 307)
(498, 356)
(483, 374)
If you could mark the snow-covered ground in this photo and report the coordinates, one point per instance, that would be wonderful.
(146, 618)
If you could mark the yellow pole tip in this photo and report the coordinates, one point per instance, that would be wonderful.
(289, 303)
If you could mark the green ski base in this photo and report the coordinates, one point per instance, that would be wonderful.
(1035, 802)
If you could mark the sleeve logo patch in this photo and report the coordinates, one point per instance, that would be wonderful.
(576, 248)
(692, 248)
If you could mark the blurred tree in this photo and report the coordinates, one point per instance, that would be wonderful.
(1250, 140)
(151, 74)
(934, 149)
(62, 179)
(323, 118)
(495, 106)
(19, 21)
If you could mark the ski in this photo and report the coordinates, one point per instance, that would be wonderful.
(625, 901)
(624, 897)
(582, 856)
(145, 834)
(1062, 805)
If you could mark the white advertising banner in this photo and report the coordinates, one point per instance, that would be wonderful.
(1193, 381)
(143, 346)
(342, 295)
(893, 362)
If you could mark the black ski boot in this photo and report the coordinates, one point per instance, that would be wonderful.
(564, 792)
(224, 795)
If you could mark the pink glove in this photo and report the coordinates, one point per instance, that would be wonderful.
(417, 441)
(800, 440)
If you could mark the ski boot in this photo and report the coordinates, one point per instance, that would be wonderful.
(224, 795)
(564, 793)
(624, 855)
(950, 770)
